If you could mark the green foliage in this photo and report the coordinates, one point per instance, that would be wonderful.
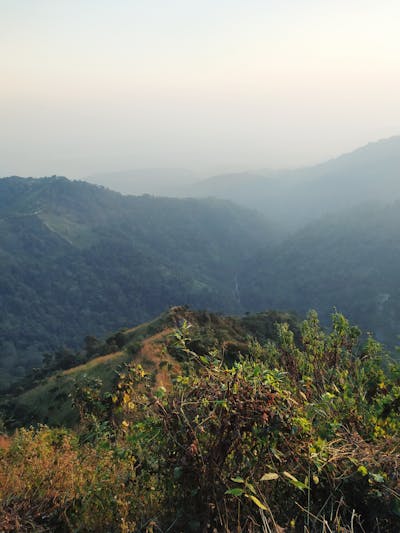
(45, 395)
(298, 435)
(349, 260)
(69, 251)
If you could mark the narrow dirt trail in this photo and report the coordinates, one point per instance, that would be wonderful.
(153, 351)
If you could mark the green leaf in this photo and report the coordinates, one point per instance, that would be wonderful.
(235, 492)
(298, 484)
(160, 392)
(269, 476)
(256, 501)
(237, 479)
(362, 470)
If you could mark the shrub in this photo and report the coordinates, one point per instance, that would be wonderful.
(301, 434)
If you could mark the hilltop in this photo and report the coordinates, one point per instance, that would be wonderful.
(45, 395)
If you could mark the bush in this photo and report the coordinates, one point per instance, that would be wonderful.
(298, 435)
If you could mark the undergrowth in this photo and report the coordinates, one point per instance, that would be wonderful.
(291, 436)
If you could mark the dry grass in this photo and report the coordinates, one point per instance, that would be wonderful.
(152, 351)
(47, 481)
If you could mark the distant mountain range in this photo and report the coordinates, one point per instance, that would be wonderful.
(292, 198)
(288, 198)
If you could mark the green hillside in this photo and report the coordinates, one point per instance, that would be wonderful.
(78, 260)
(350, 261)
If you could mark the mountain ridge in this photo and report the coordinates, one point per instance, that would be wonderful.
(82, 256)
(45, 396)
(292, 198)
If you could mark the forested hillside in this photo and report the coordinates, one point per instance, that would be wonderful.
(350, 260)
(78, 259)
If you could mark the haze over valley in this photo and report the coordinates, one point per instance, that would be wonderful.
(79, 259)
(200, 266)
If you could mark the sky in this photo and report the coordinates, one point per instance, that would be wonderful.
(90, 86)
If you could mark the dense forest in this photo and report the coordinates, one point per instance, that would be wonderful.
(80, 260)
(349, 259)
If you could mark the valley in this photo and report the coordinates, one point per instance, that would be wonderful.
(154, 347)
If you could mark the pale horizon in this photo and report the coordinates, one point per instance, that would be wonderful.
(93, 87)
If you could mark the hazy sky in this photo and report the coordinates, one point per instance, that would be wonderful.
(211, 85)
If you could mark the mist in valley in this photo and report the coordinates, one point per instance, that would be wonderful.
(199, 266)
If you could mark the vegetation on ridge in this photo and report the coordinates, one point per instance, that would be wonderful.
(298, 435)
(44, 395)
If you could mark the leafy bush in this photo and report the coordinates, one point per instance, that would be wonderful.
(297, 435)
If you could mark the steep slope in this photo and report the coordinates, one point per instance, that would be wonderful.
(77, 259)
(293, 198)
(350, 260)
